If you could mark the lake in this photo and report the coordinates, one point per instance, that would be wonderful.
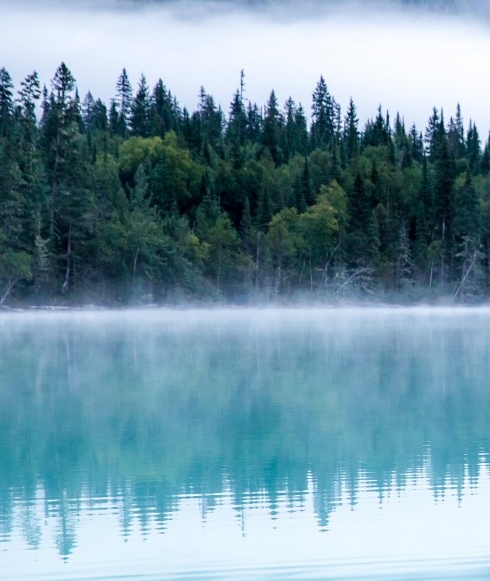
(348, 443)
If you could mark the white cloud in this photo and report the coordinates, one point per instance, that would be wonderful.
(404, 60)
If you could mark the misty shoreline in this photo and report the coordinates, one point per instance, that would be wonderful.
(139, 201)
(297, 304)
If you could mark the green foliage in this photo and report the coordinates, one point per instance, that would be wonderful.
(222, 261)
(143, 200)
(15, 266)
(320, 231)
(139, 150)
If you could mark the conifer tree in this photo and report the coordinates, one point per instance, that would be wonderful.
(235, 133)
(377, 132)
(432, 134)
(485, 159)
(289, 134)
(165, 113)
(210, 121)
(416, 141)
(6, 103)
(467, 233)
(254, 123)
(140, 109)
(362, 237)
(323, 116)
(421, 238)
(474, 149)
(123, 102)
(403, 153)
(29, 94)
(455, 134)
(444, 206)
(32, 185)
(273, 127)
(351, 132)
(466, 222)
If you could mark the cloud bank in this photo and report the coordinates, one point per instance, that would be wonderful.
(407, 56)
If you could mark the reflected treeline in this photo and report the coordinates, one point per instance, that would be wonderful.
(137, 410)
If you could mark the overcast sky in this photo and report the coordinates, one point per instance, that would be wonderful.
(406, 60)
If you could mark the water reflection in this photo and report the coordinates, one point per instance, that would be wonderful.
(137, 415)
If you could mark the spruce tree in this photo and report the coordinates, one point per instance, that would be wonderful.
(6, 103)
(236, 130)
(322, 117)
(140, 110)
(474, 149)
(162, 116)
(455, 134)
(273, 127)
(444, 207)
(363, 236)
(351, 132)
(124, 102)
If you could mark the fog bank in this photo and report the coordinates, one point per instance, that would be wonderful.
(406, 58)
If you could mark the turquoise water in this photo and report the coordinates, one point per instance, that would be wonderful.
(245, 444)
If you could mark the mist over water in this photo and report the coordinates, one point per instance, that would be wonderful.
(405, 56)
(203, 443)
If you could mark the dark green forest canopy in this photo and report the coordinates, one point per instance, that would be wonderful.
(140, 200)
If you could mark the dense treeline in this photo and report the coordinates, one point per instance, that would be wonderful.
(141, 200)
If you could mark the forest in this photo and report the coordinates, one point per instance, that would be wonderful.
(141, 201)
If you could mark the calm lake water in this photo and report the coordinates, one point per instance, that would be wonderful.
(245, 444)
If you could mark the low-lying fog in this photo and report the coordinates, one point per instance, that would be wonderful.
(403, 57)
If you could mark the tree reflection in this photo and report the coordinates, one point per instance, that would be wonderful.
(141, 413)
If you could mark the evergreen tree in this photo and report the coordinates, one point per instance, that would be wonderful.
(94, 116)
(67, 167)
(301, 133)
(426, 196)
(6, 103)
(140, 110)
(12, 204)
(237, 121)
(323, 116)
(466, 222)
(416, 141)
(299, 195)
(421, 238)
(485, 159)
(474, 149)
(351, 132)
(236, 130)
(164, 111)
(455, 133)
(123, 102)
(255, 123)
(88, 107)
(114, 125)
(377, 132)
(289, 134)
(58, 132)
(273, 127)
(444, 207)
(467, 239)
(210, 121)
(29, 94)
(362, 236)
(295, 133)
(32, 184)
(403, 153)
